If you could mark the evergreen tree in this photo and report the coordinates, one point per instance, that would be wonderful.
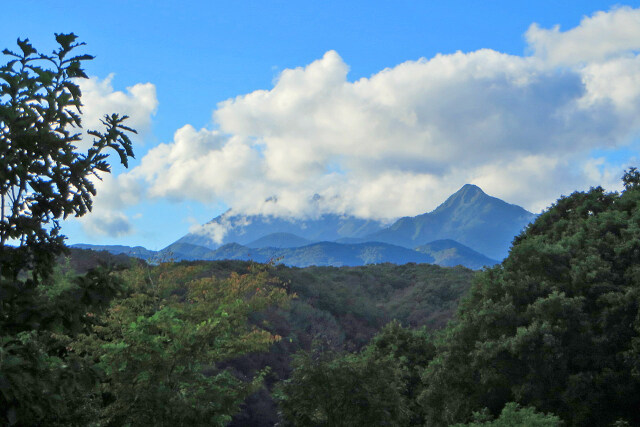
(556, 326)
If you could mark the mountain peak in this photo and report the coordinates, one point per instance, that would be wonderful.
(470, 216)
(469, 193)
(470, 189)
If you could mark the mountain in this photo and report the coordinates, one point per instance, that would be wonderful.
(449, 253)
(446, 253)
(135, 251)
(471, 217)
(279, 240)
(243, 229)
(182, 251)
(483, 223)
(324, 254)
(469, 228)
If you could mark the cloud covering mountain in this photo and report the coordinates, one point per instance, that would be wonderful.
(524, 128)
(469, 216)
(248, 230)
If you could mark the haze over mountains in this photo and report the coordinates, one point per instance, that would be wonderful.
(470, 228)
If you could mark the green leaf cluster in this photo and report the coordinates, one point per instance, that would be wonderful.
(45, 178)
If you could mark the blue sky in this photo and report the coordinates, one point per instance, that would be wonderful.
(298, 120)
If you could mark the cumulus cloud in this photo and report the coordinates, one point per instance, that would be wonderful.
(115, 193)
(397, 143)
(200, 165)
(598, 37)
(139, 102)
(107, 223)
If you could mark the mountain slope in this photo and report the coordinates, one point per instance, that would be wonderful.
(182, 251)
(475, 221)
(449, 253)
(279, 240)
(446, 253)
(231, 228)
(471, 217)
(324, 254)
(136, 251)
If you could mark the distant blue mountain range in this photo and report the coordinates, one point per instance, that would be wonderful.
(449, 253)
(470, 228)
(279, 240)
(246, 229)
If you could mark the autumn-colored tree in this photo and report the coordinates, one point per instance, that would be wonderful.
(159, 348)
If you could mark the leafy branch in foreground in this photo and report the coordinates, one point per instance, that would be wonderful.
(43, 176)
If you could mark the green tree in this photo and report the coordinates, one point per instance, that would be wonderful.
(556, 326)
(410, 351)
(378, 386)
(161, 347)
(514, 416)
(43, 179)
(328, 389)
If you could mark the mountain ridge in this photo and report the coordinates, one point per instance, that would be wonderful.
(279, 240)
(484, 223)
(316, 254)
(481, 222)
(469, 228)
(245, 229)
(449, 253)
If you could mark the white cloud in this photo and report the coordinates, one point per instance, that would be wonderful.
(598, 37)
(201, 165)
(397, 143)
(216, 231)
(106, 223)
(99, 98)
(115, 193)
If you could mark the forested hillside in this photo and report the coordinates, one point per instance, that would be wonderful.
(328, 308)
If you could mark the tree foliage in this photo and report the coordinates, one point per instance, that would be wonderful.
(513, 415)
(556, 326)
(328, 389)
(43, 176)
(378, 386)
(159, 348)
